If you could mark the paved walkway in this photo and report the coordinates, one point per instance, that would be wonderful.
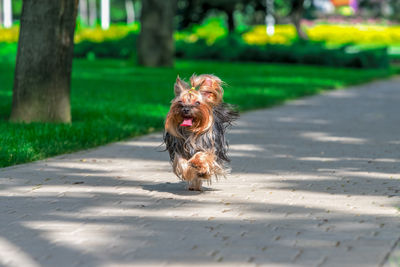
(314, 183)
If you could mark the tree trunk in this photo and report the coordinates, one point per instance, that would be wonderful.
(105, 14)
(1, 13)
(83, 12)
(231, 19)
(187, 13)
(92, 13)
(296, 16)
(44, 60)
(130, 11)
(156, 44)
(7, 15)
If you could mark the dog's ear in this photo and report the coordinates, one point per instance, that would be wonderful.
(211, 89)
(207, 82)
(179, 86)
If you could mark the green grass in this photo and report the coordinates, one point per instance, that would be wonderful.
(113, 99)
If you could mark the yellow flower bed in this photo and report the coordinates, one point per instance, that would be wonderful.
(9, 35)
(284, 34)
(211, 31)
(98, 35)
(331, 34)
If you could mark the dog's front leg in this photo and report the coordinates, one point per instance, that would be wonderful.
(203, 162)
(183, 169)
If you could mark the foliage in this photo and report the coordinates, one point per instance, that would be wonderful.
(210, 31)
(114, 48)
(329, 43)
(112, 100)
(8, 52)
(233, 48)
(214, 28)
(96, 35)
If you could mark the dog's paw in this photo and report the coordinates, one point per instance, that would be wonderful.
(195, 185)
(195, 189)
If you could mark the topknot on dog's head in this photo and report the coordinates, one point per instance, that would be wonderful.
(209, 86)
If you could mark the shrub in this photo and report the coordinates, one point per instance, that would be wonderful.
(233, 48)
(120, 48)
(211, 41)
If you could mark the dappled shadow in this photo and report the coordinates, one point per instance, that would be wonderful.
(179, 188)
(313, 182)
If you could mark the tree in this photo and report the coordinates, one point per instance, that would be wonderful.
(7, 12)
(83, 12)
(156, 44)
(296, 15)
(130, 11)
(1, 13)
(43, 70)
(105, 14)
(194, 11)
(92, 13)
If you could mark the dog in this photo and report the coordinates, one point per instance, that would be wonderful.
(195, 129)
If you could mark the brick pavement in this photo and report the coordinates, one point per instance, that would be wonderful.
(314, 182)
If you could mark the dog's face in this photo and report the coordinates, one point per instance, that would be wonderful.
(189, 111)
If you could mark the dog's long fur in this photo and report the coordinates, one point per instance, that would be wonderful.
(200, 151)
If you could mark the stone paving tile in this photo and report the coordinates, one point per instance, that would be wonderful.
(314, 183)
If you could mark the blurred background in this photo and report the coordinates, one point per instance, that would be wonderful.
(127, 54)
(351, 33)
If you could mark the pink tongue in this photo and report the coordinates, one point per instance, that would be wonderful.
(187, 122)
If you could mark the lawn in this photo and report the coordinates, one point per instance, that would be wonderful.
(114, 99)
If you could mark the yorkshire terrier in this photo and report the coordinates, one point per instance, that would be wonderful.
(195, 130)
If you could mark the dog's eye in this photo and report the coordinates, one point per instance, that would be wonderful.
(197, 102)
(180, 102)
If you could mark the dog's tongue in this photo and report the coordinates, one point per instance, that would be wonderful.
(187, 122)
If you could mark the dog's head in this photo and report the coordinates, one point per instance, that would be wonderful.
(192, 106)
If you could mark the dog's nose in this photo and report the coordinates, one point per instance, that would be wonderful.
(185, 110)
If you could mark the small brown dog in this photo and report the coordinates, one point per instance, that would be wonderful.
(195, 130)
